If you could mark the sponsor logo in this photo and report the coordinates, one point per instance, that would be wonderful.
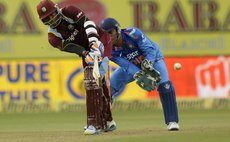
(43, 9)
(167, 86)
(70, 27)
(143, 38)
(72, 36)
(132, 55)
(79, 14)
(213, 78)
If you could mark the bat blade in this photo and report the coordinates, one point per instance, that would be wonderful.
(96, 72)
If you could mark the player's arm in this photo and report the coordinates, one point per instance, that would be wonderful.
(124, 63)
(91, 31)
(145, 81)
(148, 47)
(56, 41)
(80, 19)
(74, 48)
(96, 46)
(89, 26)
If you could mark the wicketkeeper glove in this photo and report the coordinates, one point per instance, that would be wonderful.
(147, 67)
(145, 81)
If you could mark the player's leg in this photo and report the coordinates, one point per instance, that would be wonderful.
(168, 100)
(107, 109)
(118, 80)
(167, 96)
(94, 104)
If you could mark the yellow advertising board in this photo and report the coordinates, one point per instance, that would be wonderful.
(49, 81)
(28, 81)
(59, 82)
(181, 27)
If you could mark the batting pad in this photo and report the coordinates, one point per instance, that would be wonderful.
(94, 104)
(94, 100)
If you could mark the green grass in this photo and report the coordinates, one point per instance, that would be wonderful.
(133, 126)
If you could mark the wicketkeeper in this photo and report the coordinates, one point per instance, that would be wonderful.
(140, 59)
(71, 31)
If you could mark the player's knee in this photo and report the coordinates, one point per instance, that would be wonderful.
(165, 87)
(114, 87)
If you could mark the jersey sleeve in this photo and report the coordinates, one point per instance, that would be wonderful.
(91, 32)
(79, 17)
(124, 63)
(54, 40)
(148, 47)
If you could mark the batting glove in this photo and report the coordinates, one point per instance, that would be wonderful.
(98, 48)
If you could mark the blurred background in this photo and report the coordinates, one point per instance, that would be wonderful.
(36, 77)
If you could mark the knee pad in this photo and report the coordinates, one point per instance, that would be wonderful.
(165, 87)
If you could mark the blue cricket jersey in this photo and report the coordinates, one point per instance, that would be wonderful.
(136, 47)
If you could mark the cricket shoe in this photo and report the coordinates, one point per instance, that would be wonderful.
(91, 130)
(173, 126)
(111, 126)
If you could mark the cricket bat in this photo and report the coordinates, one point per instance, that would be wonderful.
(96, 72)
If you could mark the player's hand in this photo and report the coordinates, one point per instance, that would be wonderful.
(145, 81)
(147, 67)
(90, 57)
(97, 48)
(146, 64)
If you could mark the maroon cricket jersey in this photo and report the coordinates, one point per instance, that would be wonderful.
(71, 28)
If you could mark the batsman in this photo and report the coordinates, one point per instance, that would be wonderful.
(69, 30)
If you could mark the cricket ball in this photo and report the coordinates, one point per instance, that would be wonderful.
(177, 66)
